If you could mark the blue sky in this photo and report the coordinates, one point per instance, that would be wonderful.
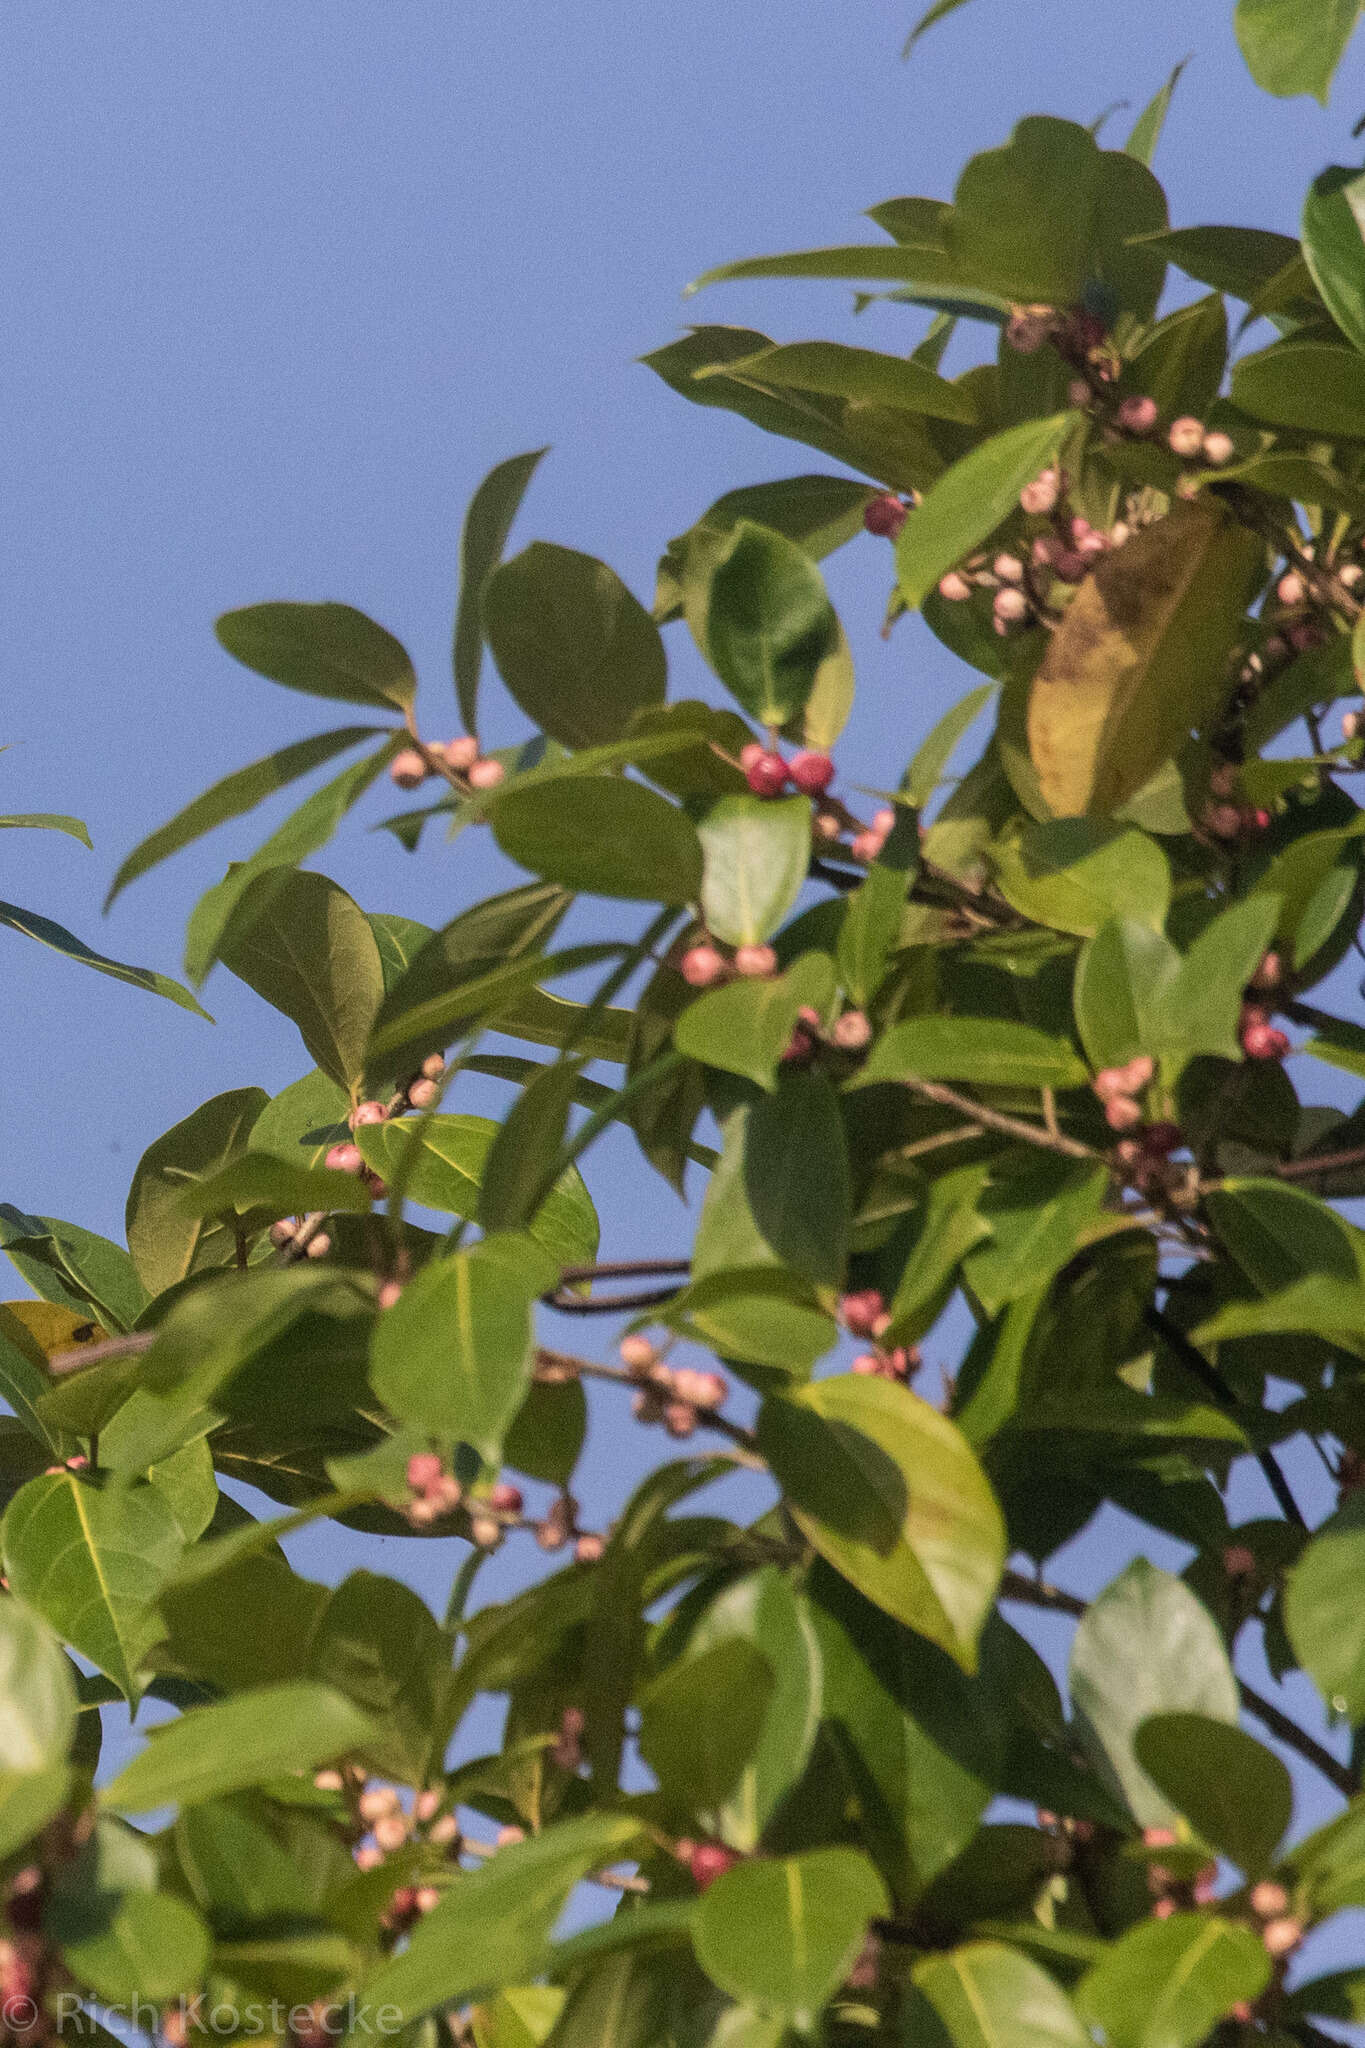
(283, 282)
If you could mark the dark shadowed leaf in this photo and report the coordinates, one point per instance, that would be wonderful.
(769, 624)
(487, 523)
(604, 836)
(167, 1243)
(305, 946)
(236, 1743)
(1234, 1792)
(576, 649)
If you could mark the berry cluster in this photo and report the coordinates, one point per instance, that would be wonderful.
(436, 1492)
(1258, 1037)
(768, 773)
(703, 965)
(461, 757)
(1027, 586)
(1171, 1894)
(676, 1396)
(865, 1314)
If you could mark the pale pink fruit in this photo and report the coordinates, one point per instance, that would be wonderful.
(1011, 607)
(1186, 437)
(284, 1232)
(755, 963)
(485, 1531)
(1121, 1113)
(1218, 449)
(954, 587)
(505, 1499)
(1137, 415)
(344, 1158)
(701, 965)
(1268, 1900)
(1280, 1936)
(433, 1066)
(588, 1549)
(424, 1469)
(507, 1838)
(1291, 588)
(368, 1113)
(390, 1293)
(1042, 494)
(1008, 568)
(486, 773)
(408, 769)
(461, 753)
(852, 1032)
(318, 1246)
(637, 1353)
(421, 1094)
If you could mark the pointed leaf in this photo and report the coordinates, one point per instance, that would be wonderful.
(1150, 122)
(306, 947)
(236, 1743)
(987, 1051)
(1334, 249)
(91, 1561)
(769, 624)
(765, 1611)
(1322, 1612)
(168, 1244)
(1294, 46)
(701, 1720)
(1318, 386)
(325, 650)
(890, 1493)
(448, 1175)
(577, 650)
(487, 523)
(46, 821)
(861, 375)
(781, 1934)
(970, 501)
(48, 933)
(602, 835)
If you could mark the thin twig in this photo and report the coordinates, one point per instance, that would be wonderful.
(1214, 1384)
(613, 1880)
(562, 1365)
(996, 1120)
(1323, 1163)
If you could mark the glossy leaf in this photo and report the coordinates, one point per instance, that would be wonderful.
(861, 375)
(780, 1195)
(92, 1560)
(1147, 128)
(1294, 46)
(453, 1355)
(745, 1026)
(701, 1720)
(1075, 874)
(971, 500)
(578, 652)
(487, 523)
(46, 821)
(1323, 1618)
(889, 1492)
(755, 852)
(602, 835)
(1122, 980)
(988, 1996)
(764, 1610)
(325, 650)
(985, 1051)
(48, 933)
(769, 623)
(782, 1934)
(1234, 1792)
(166, 1243)
(235, 794)
(1316, 385)
(73, 1267)
(236, 1743)
(307, 948)
(1334, 249)
(448, 1175)
(1146, 1646)
(38, 1692)
(1166, 1983)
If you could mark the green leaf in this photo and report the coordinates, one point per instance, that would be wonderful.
(1181, 361)
(236, 793)
(938, 12)
(1038, 1220)
(258, 1187)
(780, 1195)
(28, 1801)
(448, 1175)
(1146, 1646)
(92, 1560)
(48, 933)
(1022, 215)
(218, 919)
(305, 946)
(861, 375)
(303, 1121)
(1322, 1612)
(759, 1315)
(1239, 261)
(479, 944)
(1279, 1234)
(764, 1611)
(492, 1927)
(888, 1491)
(487, 523)
(1150, 122)
(46, 821)
(745, 1027)
(1122, 980)
(820, 513)
(603, 835)
(453, 1355)
(970, 501)
(166, 1243)
(23, 1375)
(1138, 661)
(987, 1051)
(132, 1945)
(1318, 386)
(1075, 874)
(925, 772)
(529, 1141)
(325, 650)
(1235, 1793)
(236, 1743)
(701, 1720)
(1294, 46)
(990, 1996)
(1334, 249)
(769, 625)
(781, 1934)
(1165, 1983)
(578, 652)
(1201, 1005)
(72, 1267)
(755, 851)
(871, 926)
(37, 1692)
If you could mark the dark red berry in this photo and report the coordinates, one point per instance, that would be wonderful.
(884, 516)
(862, 1312)
(812, 773)
(1263, 1042)
(1161, 1139)
(767, 775)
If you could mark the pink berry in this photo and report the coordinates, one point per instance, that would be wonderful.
(637, 1353)
(1042, 494)
(701, 965)
(485, 1531)
(866, 845)
(1280, 1936)
(1269, 974)
(486, 773)
(1137, 415)
(1110, 1081)
(1291, 588)
(318, 1245)
(433, 1066)
(1008, 569)
(390, 1293)
(1069, 565)
(421, 1094)
(507, 1838)
(368, 1113)
(852, 1032)
(1011, 605)
(884, 516)
(505, 1499)
(1078, 392)
(1138, 1072)
(284, 1232)
(461, 753)
(344, 1159)
(1263, 1042)
(1121, 1113)
(424, 1469)
(954, 587)
(1218, 449)
(884, 820)
(680, 1418)
(862, 1311)
(589, 1549)
(1352, 724)
(812, 773)
(708, 1861)
(767, 776)
(751, 751)
(1186, 437)
(1268, 1900)
(755, 963)
(408, 769)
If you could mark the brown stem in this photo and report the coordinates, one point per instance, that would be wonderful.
(562, 1364)
(995, 1120)
(1323, 1163)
